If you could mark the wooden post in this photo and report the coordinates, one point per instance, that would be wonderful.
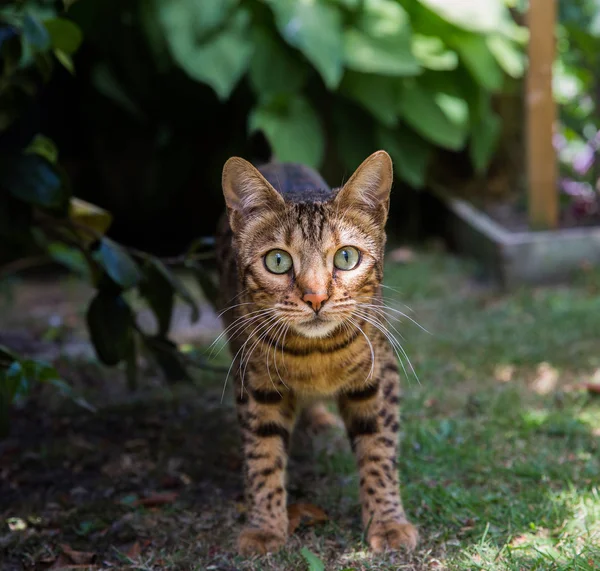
(540, 112)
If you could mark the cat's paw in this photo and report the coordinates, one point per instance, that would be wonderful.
(392, 535)
(255, 541)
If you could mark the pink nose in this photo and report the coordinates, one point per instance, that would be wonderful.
(315, 300)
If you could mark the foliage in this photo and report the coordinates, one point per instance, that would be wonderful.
(577, 89)
(38, 210)
(336, 76)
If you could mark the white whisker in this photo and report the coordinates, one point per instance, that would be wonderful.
(370, 347)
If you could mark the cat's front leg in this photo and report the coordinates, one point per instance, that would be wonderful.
(266, 419)
(371, 414)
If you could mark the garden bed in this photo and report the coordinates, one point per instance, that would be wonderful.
(508, 252)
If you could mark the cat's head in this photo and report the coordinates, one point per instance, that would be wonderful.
(312, 263)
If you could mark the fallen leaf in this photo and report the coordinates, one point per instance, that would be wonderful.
(79, 557)
(314, 563)
(504, 373)
(134, 550)
(169, 482)
(546, 379)
(185, 479)
(308, 514)
(402, 255)
(16, 524)
(156, 500)
(136, 443)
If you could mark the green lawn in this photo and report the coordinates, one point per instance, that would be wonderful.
(500, 459)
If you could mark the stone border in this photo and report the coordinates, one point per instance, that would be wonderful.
(514, 258)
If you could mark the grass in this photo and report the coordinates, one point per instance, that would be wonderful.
(500, 460)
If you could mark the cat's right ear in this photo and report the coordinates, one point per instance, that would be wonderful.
(246, 191)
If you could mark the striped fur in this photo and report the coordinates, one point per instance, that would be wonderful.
(287, 357)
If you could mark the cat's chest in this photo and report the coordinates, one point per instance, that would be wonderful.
(318, 373)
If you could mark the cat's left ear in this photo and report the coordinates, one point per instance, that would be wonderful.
(369, 187)
(246, 191)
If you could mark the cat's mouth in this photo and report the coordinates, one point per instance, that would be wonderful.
(316, 326)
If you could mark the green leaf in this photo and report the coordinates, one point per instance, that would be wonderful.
(65, 60)
(158, 292)
(376, 94)
(484, 141)
(11, 52)
(44, 64)
(33, 179)
(207, 284)
(475, 15)
(272, 69)
(314, 563)
(35, 32)
(455, 108)
(292, 128)
(410, 153)
(178, 286)
(16, 380)
(511, 60)
(314, 28)
(354, 138)
(7, 354)
(380, 42)
(110, 324)
(432, 53)
(168, 357)
(486, 127)
(117, 263)
(418, 108)
(478, 59)
(43, 146)
(384, 56)
(204, 18)
(350, 4)
(219, 59)
(71, 258)
(105, 81)
(64, 35)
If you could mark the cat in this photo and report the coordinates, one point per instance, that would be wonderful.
(301, 267)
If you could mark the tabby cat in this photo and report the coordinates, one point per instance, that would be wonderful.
(301, 268)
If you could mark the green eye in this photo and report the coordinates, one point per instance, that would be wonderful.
(346, 258)
(278, 261)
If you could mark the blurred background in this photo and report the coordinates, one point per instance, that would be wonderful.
(146, 99)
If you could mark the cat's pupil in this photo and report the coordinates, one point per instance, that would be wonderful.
(345, 254)
(278, 259)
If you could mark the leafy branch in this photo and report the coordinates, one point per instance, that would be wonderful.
(39, 213)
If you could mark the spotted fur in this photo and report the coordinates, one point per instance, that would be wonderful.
(289, 353)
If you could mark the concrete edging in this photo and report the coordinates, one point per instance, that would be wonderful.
(514, 258)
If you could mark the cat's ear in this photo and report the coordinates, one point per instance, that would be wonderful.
(369, 187)
(246, 191)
